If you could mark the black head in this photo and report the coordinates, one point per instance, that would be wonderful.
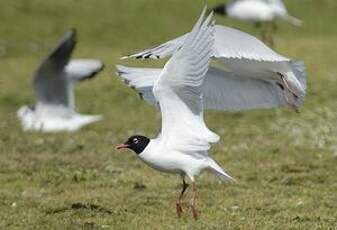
(220, 9)
(136, 143)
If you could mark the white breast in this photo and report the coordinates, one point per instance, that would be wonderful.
(171, 161)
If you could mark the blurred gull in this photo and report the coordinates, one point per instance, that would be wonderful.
(255, 75)
(182, 146)
(53, 85)
(258, 11)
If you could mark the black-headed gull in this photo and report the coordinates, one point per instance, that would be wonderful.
(53, 85)
(258, 11)
(255, 75)
(182, 146)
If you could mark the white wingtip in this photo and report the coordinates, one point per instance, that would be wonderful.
(83, 69)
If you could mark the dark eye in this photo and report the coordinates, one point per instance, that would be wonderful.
(135, 140)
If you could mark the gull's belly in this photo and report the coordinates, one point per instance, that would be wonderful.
(51, 123)
(173, 162)
(55, 124)
(167, 166)
(243, 11)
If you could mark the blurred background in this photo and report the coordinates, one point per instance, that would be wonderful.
(285, 162)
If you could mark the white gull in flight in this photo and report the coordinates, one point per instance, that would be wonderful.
(53, 85)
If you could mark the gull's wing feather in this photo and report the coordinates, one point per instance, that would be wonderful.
(83, 69)
(178, 92)
(138, 78)
(299, 71)
(161, 51)
(228, 92)
(50, 81)
(242, 53)
(234, 44)
(222, 90)
(229, 43)
(141, 79)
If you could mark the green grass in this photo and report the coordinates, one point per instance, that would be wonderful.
(285, 162)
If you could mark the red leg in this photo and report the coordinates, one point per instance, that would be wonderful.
(180, 198)
(194, 198)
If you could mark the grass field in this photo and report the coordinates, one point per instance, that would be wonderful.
(285, 162)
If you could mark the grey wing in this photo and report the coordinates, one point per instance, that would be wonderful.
(50, 82)
(140, 79)
(164, 50)
(229, 43)
(226, 91)
(221, 90)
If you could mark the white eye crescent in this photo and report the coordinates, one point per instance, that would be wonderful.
(135, 140)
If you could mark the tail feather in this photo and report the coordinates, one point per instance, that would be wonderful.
(88, 119)
(218, 171)
(141, 79)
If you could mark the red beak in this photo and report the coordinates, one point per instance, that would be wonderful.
(122, 146)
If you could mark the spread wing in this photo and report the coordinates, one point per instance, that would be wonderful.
(50, 81)
(228, 92)
(244, 55)
(229, 43)
(222, 90)
(141, 79)
(178, 92)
